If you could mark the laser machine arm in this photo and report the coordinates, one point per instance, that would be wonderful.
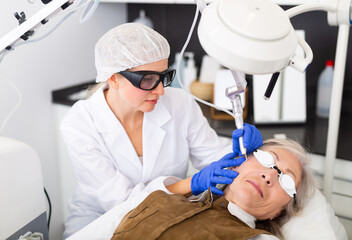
(27, 27)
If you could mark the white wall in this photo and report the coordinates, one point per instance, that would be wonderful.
(64, 58)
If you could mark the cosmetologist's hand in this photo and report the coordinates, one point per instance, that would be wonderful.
(252, 139)
(215, 174)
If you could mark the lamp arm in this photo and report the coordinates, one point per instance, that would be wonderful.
(201, 4)
(297, 61)
(335, 109)
(308, 7)
(27, 27)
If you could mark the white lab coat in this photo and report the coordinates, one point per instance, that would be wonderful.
(106, 164)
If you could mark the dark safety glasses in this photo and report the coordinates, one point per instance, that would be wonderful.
(149, 80)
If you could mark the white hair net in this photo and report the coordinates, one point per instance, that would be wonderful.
(126, 46)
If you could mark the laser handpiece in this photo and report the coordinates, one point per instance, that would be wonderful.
(233, 93)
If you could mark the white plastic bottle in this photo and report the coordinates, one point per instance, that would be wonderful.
(179, 72)
(190, 71)
(143, 19)
(324, 89)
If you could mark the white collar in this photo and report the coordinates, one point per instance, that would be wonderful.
(241, 214)
(104, 117)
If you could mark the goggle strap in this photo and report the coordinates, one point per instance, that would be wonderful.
(294, 198)
(277, 169)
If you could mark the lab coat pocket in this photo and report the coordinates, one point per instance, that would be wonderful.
(134, 218)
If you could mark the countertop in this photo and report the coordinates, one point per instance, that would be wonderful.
(312, 134)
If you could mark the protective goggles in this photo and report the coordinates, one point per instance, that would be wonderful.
(149, 80)
(286, 181)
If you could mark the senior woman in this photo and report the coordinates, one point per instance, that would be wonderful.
(273, 184)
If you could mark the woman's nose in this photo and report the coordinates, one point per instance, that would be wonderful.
(268, 176)
(159, 89)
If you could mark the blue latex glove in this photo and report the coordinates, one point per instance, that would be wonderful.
(252, 139)
(215, 174)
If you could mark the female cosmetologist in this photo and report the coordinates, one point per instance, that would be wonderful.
(134, 135)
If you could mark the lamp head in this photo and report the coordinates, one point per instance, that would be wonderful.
(251, 36)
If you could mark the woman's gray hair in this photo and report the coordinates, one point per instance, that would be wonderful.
(305, 190)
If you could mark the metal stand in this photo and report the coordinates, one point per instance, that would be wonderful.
(335, 109)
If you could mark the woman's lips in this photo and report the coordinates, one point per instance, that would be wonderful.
(152, 101)
(256, 187)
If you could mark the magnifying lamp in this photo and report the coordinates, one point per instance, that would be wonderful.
(251, 36)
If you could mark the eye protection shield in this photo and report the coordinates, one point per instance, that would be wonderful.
(286, 181)
(149, 80)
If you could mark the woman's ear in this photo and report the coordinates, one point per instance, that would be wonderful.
(113, 81)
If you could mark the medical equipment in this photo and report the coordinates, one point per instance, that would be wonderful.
(233, 93)
(285, 180)
(268, 40)
(27, 27)
(23, 207)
